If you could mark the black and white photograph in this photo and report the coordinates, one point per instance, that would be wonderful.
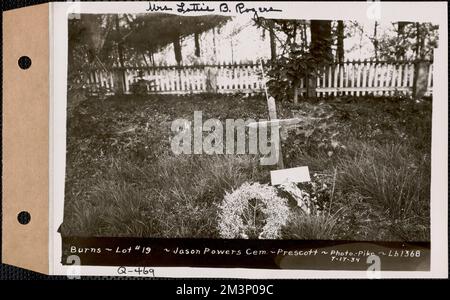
(248, 128)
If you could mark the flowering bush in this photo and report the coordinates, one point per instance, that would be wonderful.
(312, 197)
(302, 197)
(253, 211)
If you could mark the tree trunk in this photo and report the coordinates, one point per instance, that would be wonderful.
(214, 44)
(273, 43)
(321, 50)
(211, 79)
(419, 42)
(294, 33)
(375, 40)
(177, 49)
(304, 37)
(121, 72)
(420, 83)
(197, 44)
(321, 40)
(340, 42)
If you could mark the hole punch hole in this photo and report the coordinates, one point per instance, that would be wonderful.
(24, 217)
(24, 62)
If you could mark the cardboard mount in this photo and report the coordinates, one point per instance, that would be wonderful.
(25, 143)
(26, 138)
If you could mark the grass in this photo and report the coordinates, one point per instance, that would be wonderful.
(371, 156)
(393, 182)
(389, 176)
(324, 226)
(174, 197)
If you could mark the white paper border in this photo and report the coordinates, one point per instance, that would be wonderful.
(435, 12)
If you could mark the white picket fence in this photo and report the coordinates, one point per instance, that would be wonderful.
(350, 78)
(228, 78)
(362, 78)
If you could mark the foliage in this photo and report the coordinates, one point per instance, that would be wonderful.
(299, 59)
(319, 130)
(91, 42)
(313, 197)
(412, 41)
(97, 36)
(154, 31)
(105, 41)
(302, 59)
(286, 72)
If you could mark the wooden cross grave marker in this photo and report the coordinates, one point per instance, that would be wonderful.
(281, 175)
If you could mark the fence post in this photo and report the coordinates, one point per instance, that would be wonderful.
(420, 81)
(296, 87)
(211, 79)
(311, 84)
(119, 81)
